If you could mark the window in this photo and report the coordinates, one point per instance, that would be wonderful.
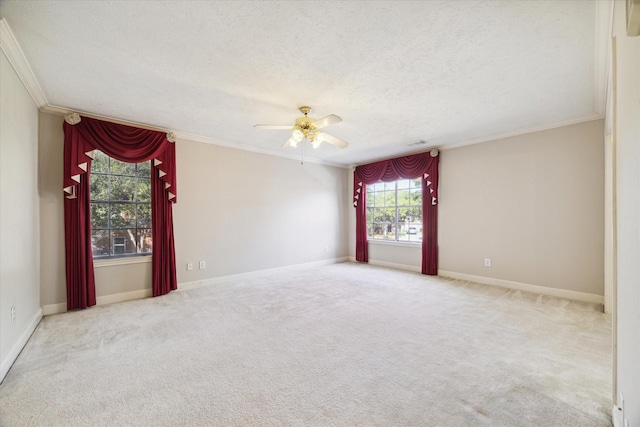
(394, 210)
(120, 207)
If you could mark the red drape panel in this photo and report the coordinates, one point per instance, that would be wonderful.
(127, 144)
(422, 166)
(81, 290)
(163, 277)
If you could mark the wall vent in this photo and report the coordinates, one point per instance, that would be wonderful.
(419, 142)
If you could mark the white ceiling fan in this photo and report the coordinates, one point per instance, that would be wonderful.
(309, 128)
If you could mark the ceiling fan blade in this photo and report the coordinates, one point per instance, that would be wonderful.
(334, 141)
(331, 119)
(284, 127)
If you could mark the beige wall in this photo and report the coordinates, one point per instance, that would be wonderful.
(627, 142)
(241, 211)
(50, 154)
(238, 211)
(19, 215)
(533, 204)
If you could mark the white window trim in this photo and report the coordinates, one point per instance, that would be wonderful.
(140, 259)
(394, 243)
(121, 259)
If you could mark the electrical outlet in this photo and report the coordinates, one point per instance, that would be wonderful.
(487, 262)
(203, 265)
(326, 249)
(190, 266)
(13, 314)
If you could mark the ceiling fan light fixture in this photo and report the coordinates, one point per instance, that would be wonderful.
(297, 135)
(307, 128)
(317, 140)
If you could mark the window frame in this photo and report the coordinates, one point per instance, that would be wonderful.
(397, 223)
(108, 228)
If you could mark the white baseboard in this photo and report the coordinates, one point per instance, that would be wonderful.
(103, 300)
(54, 308)
(13, 354)
(536, 289)
(254, 274)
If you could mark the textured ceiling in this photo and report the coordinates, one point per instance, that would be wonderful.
(447, 72)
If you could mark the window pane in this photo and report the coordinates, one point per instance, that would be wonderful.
(378, 199)
(100, 162)
(403, 215)
(390, 219)
(403, 184)
(378, 215)
(404, 198)
(389, 198)
(145, 243)
(99, 187)
(122, 168)
(403, 224)
(122, 188)
(100, 243)
(143, 216)
(416, 196)
(123, 215)
(144, 190)
(369, 215)
(415, 215)
(394, 211)
(123, 242)
(99, 215)
(120, 207)
(415, 224)
(144, 169)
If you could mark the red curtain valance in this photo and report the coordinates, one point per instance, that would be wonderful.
(82, 135)
(125, 143)
(423, 166)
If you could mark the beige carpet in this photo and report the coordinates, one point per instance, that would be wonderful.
(340, 345)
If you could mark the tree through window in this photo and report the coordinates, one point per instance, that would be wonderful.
(120, 207)
(394, 210)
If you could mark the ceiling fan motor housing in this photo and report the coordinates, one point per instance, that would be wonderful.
(304, 125)
(309, 128)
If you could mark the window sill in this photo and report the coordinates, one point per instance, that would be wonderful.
(395, 243)
(98, 263)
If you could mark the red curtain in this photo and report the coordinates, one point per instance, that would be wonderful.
(424, 166)
(127, 144)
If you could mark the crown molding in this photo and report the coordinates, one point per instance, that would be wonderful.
(294, 155)
(525, 131)
(62, 111)
(18, 61)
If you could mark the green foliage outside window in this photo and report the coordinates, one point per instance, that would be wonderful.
(394, 210)
(120, 207)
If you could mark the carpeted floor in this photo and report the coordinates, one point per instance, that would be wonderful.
(345, 344)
